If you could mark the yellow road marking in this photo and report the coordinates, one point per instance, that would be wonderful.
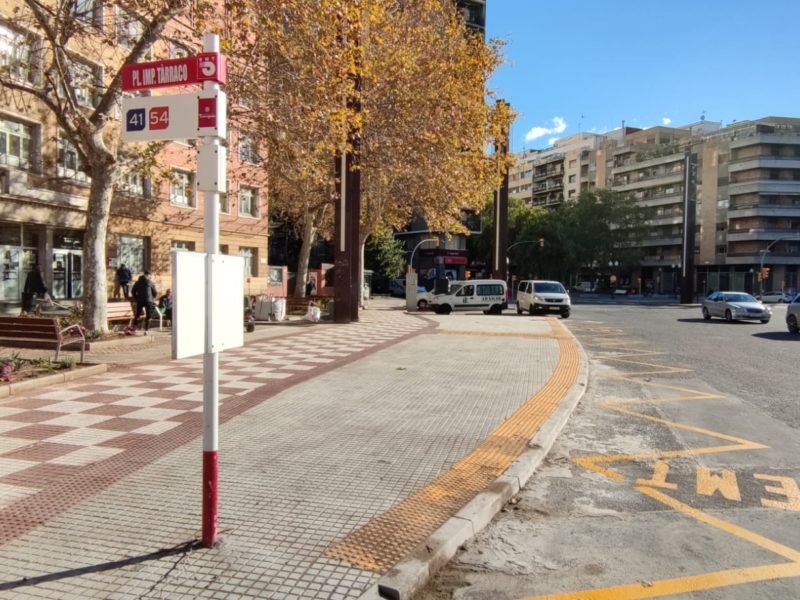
(680, 585)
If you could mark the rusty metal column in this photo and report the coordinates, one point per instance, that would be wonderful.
(347, 271)
(500, 237)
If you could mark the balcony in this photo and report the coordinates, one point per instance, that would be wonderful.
(764, 162)
(765, 210)
(549, 173)
(749, 235)
(672, 219)
(764, 186)
(788, 137)
(663, 241)
(773, 258)
(649, 181)
(663, 200)
(645, 164)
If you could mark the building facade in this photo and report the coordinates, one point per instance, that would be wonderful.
(44, 188)
(747, 198)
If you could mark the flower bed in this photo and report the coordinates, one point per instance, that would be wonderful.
(16, 368)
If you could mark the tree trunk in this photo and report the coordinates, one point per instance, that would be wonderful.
(95, 288)
(309, 237)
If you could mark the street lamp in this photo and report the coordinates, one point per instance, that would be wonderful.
(411, 261)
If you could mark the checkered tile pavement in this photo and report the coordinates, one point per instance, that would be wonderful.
(52, 435)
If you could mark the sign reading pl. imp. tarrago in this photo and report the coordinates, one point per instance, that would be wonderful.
(207, 66)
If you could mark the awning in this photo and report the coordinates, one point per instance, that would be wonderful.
(455, 260)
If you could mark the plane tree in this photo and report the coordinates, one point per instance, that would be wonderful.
(83, 99)
(404, 79)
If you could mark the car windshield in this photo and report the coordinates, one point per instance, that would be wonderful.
(549, 286)
(739, 298)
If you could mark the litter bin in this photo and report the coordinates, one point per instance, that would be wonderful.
(263, 309)
(279, 309)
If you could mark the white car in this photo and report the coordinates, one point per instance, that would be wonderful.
(776, 296)
(793, 315)
(488, 295)
(735, 306)
(543, 296)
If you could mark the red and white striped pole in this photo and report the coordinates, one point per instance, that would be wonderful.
(211, 145)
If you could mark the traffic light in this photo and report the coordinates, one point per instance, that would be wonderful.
(766, 272)
(541, 242)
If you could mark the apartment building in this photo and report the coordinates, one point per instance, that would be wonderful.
(44, 188)
(747, 198)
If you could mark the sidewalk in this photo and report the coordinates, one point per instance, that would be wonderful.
(344, 449)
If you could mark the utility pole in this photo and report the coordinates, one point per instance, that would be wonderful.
(347, 260)
(500, 237)
(686, 278)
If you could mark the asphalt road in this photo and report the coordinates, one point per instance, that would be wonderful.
(677, 476)
(756, 362)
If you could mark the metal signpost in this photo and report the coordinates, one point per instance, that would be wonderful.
(201, 114)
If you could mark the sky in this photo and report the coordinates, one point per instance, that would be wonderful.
(587, 65)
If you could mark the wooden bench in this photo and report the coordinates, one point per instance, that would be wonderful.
(124, 311)
(119, 311)
(37, 333)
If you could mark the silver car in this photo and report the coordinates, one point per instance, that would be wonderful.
(735, 306)
(793, 315)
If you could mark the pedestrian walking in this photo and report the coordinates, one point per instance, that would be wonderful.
(124, 277)
(144, 294)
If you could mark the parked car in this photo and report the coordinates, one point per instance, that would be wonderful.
(772, 297)
(543, 296)
(793, 315)
(734, 306)
(397, 287)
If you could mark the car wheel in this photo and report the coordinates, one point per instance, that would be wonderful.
(706, 314)
(565, 314)
(728, 316)
(446, 309)
(519, 308)
(532, 309)
(765, 321)
(791, 324)
(496, 310)
(422, 305)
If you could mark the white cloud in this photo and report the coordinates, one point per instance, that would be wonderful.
(559, 125)
(666, 120)
(552, 141)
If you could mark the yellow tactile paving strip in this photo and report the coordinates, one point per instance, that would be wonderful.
(389, 537)
(678, 585)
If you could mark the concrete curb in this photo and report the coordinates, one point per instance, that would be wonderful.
(9, 389)
(413, 572)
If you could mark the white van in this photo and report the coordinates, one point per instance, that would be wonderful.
(543, 296)
(488, 295)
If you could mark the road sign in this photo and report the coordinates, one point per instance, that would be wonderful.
(207, 66)
(176, 117)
